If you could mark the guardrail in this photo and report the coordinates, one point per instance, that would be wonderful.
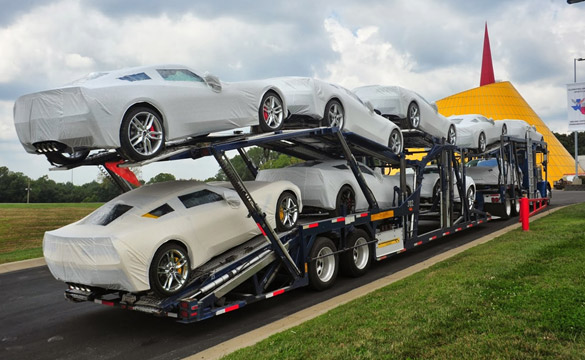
(526, 212)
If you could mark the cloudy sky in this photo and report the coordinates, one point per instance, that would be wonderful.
(433, 47)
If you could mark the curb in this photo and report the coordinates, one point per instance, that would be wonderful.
(21, 265)
(257, 335)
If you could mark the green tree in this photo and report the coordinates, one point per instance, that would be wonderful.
(162, 177)
(12, 186)
(568, 141)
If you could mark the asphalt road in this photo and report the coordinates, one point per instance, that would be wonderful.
(36, 322)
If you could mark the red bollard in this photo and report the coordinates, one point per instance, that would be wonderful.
(524, 213)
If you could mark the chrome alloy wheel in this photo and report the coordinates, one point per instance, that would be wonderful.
(325, 264)
(288, 211)
(336, 115)
(272, 111)
(145, 133)
(172, 270)
(414, 116)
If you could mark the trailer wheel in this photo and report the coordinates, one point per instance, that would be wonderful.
(356, 261)
(502, 210)
(323, 267)
(515, 207)
(334, 114)
(413, 115)
(345, 201)
(169, 270)
(287, 211)
(271, 112)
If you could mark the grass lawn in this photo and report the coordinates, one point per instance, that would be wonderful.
(22, 226)
(520, 296)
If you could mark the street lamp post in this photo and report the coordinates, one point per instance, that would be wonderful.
(575, 179)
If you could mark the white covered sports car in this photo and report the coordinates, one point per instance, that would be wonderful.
(431, 187)
(519, 128)
(476, 131)
(335, 106)
(332, 186)
(152, 237)
(138, 110)
(409, 109)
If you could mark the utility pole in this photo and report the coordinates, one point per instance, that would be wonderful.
(576, 179)
(28, 192)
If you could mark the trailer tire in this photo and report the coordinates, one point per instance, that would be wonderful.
(324, 264)
(170, 264)
(356, 261)
(287, 211)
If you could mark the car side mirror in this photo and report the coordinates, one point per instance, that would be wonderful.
(434, 106)
(213, 82)
(370, 106)
(232, 198)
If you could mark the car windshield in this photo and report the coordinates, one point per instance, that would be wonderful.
(179, 75)
(488, 163)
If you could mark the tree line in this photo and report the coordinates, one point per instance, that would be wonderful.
(15, 187)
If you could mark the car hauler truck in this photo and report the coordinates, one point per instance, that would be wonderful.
(312, 253)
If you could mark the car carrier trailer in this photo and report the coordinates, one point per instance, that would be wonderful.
(315, 251)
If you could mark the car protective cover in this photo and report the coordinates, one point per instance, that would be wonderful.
(117, 255)
(320, 184)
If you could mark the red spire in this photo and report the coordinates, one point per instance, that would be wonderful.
(487, 68)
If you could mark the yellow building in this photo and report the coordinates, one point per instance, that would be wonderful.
(500, 101)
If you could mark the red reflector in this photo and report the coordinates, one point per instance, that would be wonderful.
(123, 306)
(313, 225)
(261, 230)
(364, 214)
(233, 307)
(409, 209)
(383, 257)
(433, 238)
(194, 307)
(184, 314)
(340, 219)
(446, 233)
(184, 305)
(418, 243)
(458, 229)
(278, 292)
(194, 314)
(107, 303)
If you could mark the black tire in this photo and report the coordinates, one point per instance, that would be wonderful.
(515, 207)
(142, 134)
(345, 200)
(481, 143)
(413, 116)
(503, 210)
(470, 193)
(67, 158)
(169, 270)
(287, 211)
(323, 269)
(334, 115)
(271, 113)
(356, 261)
(452, 135)
(395, 141)
(436, 199)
